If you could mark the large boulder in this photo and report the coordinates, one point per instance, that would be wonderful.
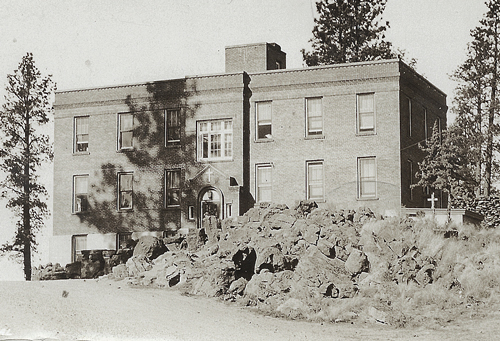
(137, 265)
(120, 271)
(216, 277)
(270, 258)
(74, 270)
(357, 262)
(149, 247)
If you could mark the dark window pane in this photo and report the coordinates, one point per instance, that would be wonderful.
(126, 200)
(264, 131)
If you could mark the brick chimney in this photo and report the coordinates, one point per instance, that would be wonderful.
(255, 57)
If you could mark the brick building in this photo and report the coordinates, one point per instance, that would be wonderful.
(154, 158)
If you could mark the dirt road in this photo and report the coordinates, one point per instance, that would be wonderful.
(106, 310)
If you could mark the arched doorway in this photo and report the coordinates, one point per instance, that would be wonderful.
(210, 203)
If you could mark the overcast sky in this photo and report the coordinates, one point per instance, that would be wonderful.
(89, 43)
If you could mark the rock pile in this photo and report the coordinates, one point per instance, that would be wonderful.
(272, 257)
(488, 207)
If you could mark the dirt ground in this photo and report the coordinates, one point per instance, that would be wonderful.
(108, 310)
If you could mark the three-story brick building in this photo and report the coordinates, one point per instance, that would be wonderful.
(157, 157)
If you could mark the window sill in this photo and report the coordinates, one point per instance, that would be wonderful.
(81, 153)
(125, 210)
(263, 140)
(173, 144)
(368, 199)
(80, 213)
(215, 160)
(172, 207)
(317, 200)
(366, 134)
(314, 137)
(125, 150)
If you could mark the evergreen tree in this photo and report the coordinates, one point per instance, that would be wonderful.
(471, 99)
(348, 31)
(476, 103)
(23, 149)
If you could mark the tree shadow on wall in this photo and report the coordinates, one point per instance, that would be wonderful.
(151, 155)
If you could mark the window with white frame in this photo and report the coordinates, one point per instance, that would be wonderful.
(79, 243)
(125, 131)
(125, 191)
(81, 138)
(215, 140)
(229, 210)
(191, 212)
(263, 112)
(366, 113)
(315, 180)
(367, 178)
(314, 117)
(264, 183)
(122, 239)
(172, 126)
(173, 187)
(80, 193)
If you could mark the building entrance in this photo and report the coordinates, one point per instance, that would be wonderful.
(210, 203)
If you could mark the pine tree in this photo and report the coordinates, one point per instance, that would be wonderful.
(471, 99)
(348, 31)
(23, 149)
(476, 103)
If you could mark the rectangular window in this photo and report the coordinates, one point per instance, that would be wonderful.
(314, 117)
(314, 179)
(367, 178)
(173, 187)
(264, 183)
(215, 140)
(81, 137)
(440, 130)
(264, 120)
(80, 193)
(191, 212)
(409, 117)
(410, 176)
(366, 113)
(425, 125)
(229, 210)
(79, 243)
(122, 239)
(125, 131)
(125, 191)
(172, 126)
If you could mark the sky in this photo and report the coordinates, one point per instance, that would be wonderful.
(91, 43)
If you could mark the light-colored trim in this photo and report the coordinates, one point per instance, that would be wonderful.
(368, 131)
(73, 196)
(165, 192)
(261, 166)
(306, 114)
(315, 162)
(257, 138)
(199, 142)
(120, 209)
(359, 196)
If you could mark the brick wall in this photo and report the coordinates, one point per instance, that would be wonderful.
(340, 146)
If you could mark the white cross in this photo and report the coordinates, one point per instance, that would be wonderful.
(209, 173)
(432, 199)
